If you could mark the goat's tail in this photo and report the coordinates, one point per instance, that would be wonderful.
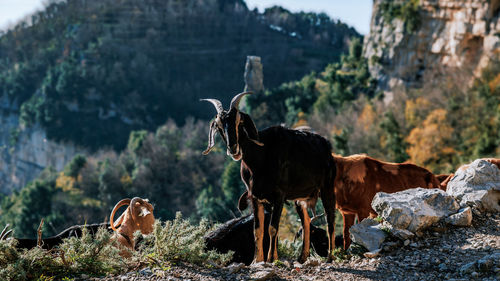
(122, 202)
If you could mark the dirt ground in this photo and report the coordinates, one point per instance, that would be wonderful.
(441, 253)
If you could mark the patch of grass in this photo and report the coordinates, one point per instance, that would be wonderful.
(98, 255)
(89, 255)
(279, 264)
(93, 255)
(378, 219)
(180, 241)
(289, 250)
(340, 255)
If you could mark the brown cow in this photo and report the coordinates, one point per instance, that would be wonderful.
(360, 177)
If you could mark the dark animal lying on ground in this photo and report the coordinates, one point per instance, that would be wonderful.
(360, 177)
(236, 235)
(277, 164)
(50, 242)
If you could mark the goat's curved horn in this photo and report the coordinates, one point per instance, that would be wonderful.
(122, 202)
(216, 103)
(6, 235)
(132, 207)
(316, 217)
(235, 102)
(5, 232)
(211, 138)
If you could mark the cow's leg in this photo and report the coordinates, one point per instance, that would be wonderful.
(273, 230)
(301, 208)
(328, 199)
(348, 222)
(258, 211)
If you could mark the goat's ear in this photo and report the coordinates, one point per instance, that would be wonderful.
(243, 201)
(250, 129)
(211, 137)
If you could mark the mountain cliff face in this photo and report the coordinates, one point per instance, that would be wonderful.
(25, 153)
(412, 41)
(81, 75)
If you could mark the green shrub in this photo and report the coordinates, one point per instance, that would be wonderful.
(95, 255)
(180, 241)
(289, 250)
(406, 10)
(91, 255)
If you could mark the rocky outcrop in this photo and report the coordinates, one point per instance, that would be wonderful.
(441, 35)
(254, 77)
(477, 184)
(24, 153)
(414, 209)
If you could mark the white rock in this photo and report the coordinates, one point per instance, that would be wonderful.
(402, 234)
(462, 218)
(263, 275)
(235, 267)
(414, 209)
(368, 234)
(311, 262)
(477, 184)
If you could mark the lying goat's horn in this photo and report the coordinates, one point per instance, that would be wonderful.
(316, 218)
(122, 202)
(235, 102)
(5, 232)
(216, 103)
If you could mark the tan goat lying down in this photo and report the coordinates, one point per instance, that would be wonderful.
(137, 216)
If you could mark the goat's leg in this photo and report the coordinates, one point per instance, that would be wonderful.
(273, 230)
(328, 199)
(301, 208)
(348, 222)
(258, 210)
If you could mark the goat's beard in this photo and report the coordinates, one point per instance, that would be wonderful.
(236, 156)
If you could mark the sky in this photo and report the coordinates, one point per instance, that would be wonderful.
(355, 13)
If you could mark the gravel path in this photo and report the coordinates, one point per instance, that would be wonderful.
(441, 253)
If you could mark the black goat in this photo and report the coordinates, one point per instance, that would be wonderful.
(236, 235)
(50, 242)
(277, 164)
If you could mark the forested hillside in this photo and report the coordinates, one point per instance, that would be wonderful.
(441, 124)
(89, 72)
(123, 79)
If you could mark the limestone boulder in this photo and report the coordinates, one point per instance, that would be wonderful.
(477, 184)
(414, 209)
(369, 234)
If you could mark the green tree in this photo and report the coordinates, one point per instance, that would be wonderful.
(394, 141)
(340, 143)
